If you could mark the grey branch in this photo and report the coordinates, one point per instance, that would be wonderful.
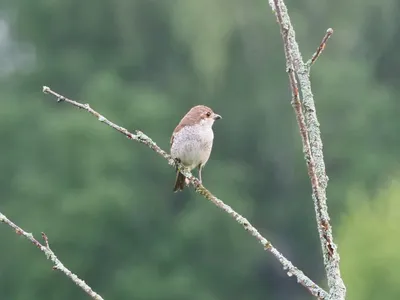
(140, 137)
(312, 143)
(50, 255)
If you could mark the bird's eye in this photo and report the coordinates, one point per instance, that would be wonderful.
(208, 114)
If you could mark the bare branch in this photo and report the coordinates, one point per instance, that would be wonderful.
(313, 288)
(321, 48)
(50, 255)
(312, 145)
(138, 136)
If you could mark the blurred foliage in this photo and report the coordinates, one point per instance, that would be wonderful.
(370, 248)
(106, 203)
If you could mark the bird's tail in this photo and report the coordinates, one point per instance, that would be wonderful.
(180, 182)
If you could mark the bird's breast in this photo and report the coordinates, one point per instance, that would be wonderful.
(192, 145)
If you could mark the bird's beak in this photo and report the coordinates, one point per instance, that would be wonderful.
(217, 117)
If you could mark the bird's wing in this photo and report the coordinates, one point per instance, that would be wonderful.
(177, 128)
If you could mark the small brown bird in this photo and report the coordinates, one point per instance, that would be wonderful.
(192, 140)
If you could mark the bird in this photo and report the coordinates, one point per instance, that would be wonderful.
(192, 140)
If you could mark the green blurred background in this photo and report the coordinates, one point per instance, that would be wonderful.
(106, 203)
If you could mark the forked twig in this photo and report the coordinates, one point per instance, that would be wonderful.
(312, 144)
(58, 265)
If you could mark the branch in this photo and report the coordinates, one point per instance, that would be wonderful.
(321, 48)
(312, 144)
(50, 255)
(139, 136)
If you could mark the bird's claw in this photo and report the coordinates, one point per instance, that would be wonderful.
(177, 162)
(187, 181)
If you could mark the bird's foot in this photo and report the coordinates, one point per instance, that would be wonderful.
(177, 161)
(187, 181)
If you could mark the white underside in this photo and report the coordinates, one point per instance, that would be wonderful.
(192, 145)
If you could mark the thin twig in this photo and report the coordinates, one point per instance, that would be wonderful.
(50, 255)
(321, 48)
(46, 240)
(312, 146)
(313, 288)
